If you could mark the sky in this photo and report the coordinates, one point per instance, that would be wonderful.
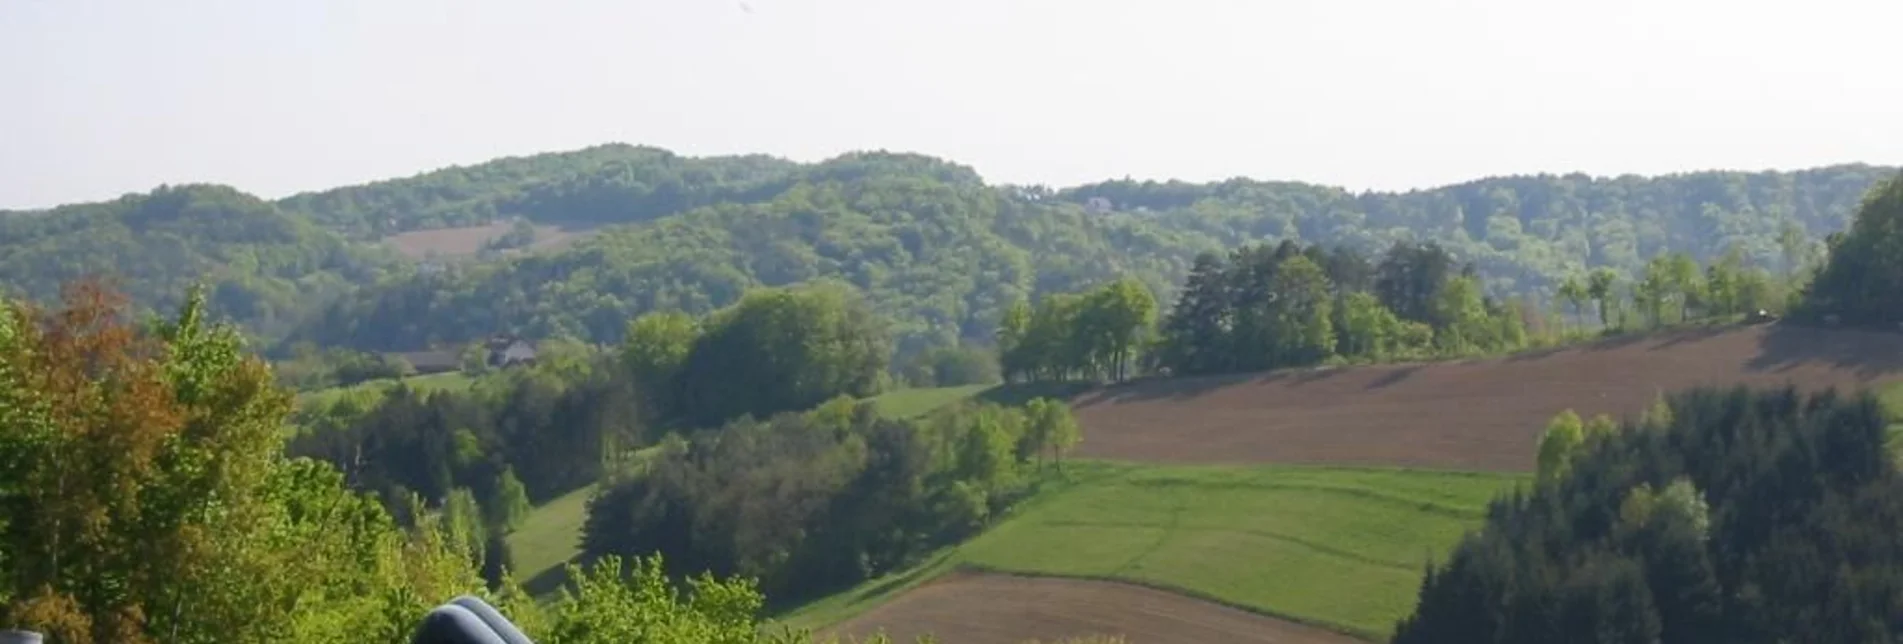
(103, 97)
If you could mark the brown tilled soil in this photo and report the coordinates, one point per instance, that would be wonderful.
(974, 608)
(468, 240)
(1483, 414)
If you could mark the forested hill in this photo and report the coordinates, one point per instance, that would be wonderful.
(942, 253)
(939, 251)
(266, 265)
(601, 184)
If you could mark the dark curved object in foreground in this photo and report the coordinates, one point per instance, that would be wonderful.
(467, 620)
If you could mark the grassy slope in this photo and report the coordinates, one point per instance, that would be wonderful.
(911, 403)
(1342, 548)
(549, 538)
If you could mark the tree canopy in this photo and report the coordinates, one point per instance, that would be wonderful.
(1721, 516)
(1863, 282)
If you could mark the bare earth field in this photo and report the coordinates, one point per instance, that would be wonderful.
(468, 240)
(1474, 415)
(979, 608)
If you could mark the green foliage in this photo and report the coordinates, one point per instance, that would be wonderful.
(509, 505)
(550, 428)
(1859, 284)
(1051, 429)
(1559, 444)
(1096, 334)
(638, 604)
(1736, 516)
(148, 499)
(811, 502)
(782, 350)
(1291, 306)
(613, 183)
(311, 369)
(952, 367)
(264, 267)
(658, 343)
(464, 523)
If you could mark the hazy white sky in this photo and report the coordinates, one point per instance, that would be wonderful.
(102, 97)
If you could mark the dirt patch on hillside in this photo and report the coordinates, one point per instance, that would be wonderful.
(468, 240)
(976, 608)
(1484, 414)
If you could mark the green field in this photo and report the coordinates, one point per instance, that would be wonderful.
(1337, 547)
(549, 538)
(912, 403)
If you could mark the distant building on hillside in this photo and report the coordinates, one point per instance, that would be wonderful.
(507, 350)
(1098, 206)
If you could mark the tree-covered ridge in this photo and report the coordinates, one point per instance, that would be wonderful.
(939, 259)
(942, 254)
(265, 267)
(936, 249)
(614, 183)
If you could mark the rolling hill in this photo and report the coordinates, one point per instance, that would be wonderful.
(627, 229)
(941, 253)
(1203, 496)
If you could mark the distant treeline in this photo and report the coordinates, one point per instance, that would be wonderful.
(1269, 306)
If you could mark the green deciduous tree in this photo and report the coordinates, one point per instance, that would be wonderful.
(1558, 444)
(1051, 429)
(780, 350)
(1599, 285)
(1864, 274)
(1575, 291)
(509, 504)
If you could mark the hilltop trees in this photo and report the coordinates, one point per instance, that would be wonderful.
(1721, 516)
(1286, 305)
(776, 350)
(1099, 333)
(1673, 289)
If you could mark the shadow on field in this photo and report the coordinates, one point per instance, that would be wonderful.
(545, 583)
(1692, 335)
(1867, 353)
(1019, 393)
(1394, 377)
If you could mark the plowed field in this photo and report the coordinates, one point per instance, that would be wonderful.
(1474, 415)
(971, 608)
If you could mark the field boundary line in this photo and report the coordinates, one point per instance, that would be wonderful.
(1338, 629)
